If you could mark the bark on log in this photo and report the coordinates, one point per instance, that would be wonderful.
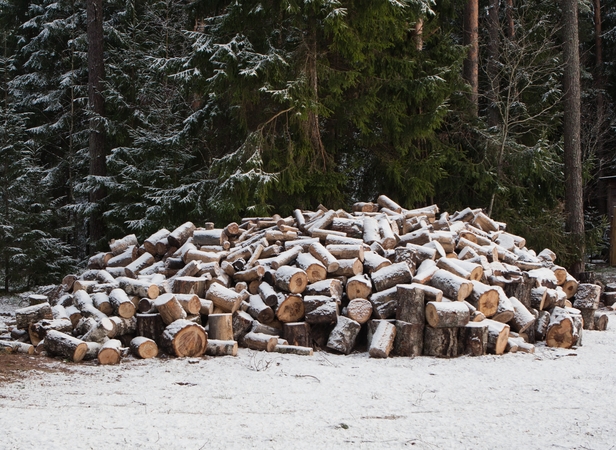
(324, 256)
(150, 326)
(538, 297)
(410, 304)
(342, 337)
(473, 339)
(31, 314)
(184, 338)
(259, 310)
(331, 287)
(522, 317)
(260, 341)
(498, 334)
(504, 311)
(385, 303)
(587, 296)
(16, 347)
(600, 320)
(144, 348)
(359, 286)
(348, 268)
(346, 251)
(484, 297)
(169, 308)
(117, 246)
(217, 347)
(374, 262)
(122, 327)
(122, 305)
(453, 286)
(570, 286)
(180, 235)
(563, 331)
(294, 350)
(320, 309)
(440, 342)
(242, 324)
(220, 327)
(392, 275)
(541, 325)
(226, 299)
(99, 332)
(446, 314)
(315, 270)
(61, 344)
(150, 243)
(189, 285)
(360, 310)
(382, 341)
(409, 338)
(110, 352)
(102, 303)
(291, 279)
(425, 272)
(297, 333)
(268, 294)
(133, 269)
(290, 308)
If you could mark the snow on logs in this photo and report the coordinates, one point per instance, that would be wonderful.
(413, 282)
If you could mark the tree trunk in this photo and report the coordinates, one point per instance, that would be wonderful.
(471, 63)
(574, 204)
(143, 347)
(184, 338)
(96, 75)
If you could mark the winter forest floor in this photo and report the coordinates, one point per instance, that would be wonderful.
(554, 399)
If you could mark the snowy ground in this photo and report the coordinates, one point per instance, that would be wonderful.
(554, 399)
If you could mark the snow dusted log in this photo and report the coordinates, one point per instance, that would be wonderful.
(31, 314)
(359, 286)
(99, 332)
(440, 342)
(99, 261)
(411, 304)
(189, 285)
(190, 303)
(221, 327)
(133, 269)
(348, 268)
(446, 314)
(522, 317)
(538, 297)
(315, 270)
(150, 326)
(290, 308)
(544, 276)
(122, 305)
(385, 303)
(122, 327)
(16, 347)
(449, 266)
(331, 287)
(226, 299)
(484, 297)
(570, 286)
(453, 286)
(391, 275)
(297, 333)
(388, 239)
(360, 310)
(110, 352)
(144, 348)
(293, 350)
(184, 338)
(242, 324)
(541, 325)
(382, 341)
(320, 309)
(194, 254)
(61, 344)
(260, 341)
(373, 262)
(92, 352)
(73, 314)
(291, 279)
(124, 258)
(102, 303)
(343, 336)
(268, 294)
(498, 334)
(425, 272)
(324, 256)
(169, 308)
(600, 320)
(259, 310)
(371, 231)
(37, 331)
(37, 299)
(286, 258)
(150, 243)
(180, 235)
(547, 255)
(587, 296)
(347, 251)
(385, 202)
(504, 311)
(119, 245)
(473, 339)
(409, 338)
(563, 330)
(217, 347)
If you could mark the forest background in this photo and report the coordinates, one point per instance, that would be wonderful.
(128, 116)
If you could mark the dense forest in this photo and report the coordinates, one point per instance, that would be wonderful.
(127, 116)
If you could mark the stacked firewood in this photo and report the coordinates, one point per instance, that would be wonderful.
(382, 278)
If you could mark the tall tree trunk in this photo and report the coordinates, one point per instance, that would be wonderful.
(599, 79)
(493, 57)
(312, 125)
(509, 17)
(96, 74)
(574, 205)
(471, 63)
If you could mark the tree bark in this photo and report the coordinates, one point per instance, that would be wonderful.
(471, 63)
(574, 204)
(96, 75)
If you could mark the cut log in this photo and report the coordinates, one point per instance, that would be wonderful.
(180, 235)
(242, 324)
(448, 265)
(446, 314)
(570, 286)
(144, 348)
(268, 294)
(259, 310)
(315, 270)
(217, 347)
(320, 310)
(226, 299)
(392, 275)
(99, 332)
(385, 303)
(388, 239)
(150, 326)
(297, 333)
(331, 287)
(260, 341)
(484, 297)
(169, 308)
(291, 279)
(122, 305)
(541, 325)
(189, 285)
(342, 337)
(324, 256)
(359, 286)
(348, 268)
(16, 347)
(150, 243)
(110, 352)
(102, 303)
(563, 331)
(220, 327)
(522, 317)
(504, 311)
(473, 339)
(117, 246)
(588, 316)
(122, 327)
(600, 320)
(342, 251)
(258, 327)
(587, 296)
(360, 310)
(373, 262)
(410, 304)
(290, 308)
(544, 276)
(425, 272)
(409, 339)
(294, 350)
(184, 338)
(498, 334)
(133, 269)
(453, 286)
(440, 342)
(73, 314)
(61, 344)
(538, 297)
(286, 258)
(382, 341)
(371, 232)
(431, 294)
(31, 314)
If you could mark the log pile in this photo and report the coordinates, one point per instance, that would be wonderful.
(381, 278)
